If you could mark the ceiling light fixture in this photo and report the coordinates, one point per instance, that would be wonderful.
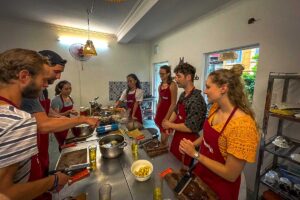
(89, 48)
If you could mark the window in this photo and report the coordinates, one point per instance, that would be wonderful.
(247, 56)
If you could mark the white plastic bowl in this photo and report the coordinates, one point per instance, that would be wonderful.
(137, 165)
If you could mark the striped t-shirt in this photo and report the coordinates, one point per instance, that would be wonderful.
(18, 140)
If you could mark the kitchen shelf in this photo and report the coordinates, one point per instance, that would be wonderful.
(275, 187)
(147, 107)
(286, 117)
(268, 146)
(283, 152)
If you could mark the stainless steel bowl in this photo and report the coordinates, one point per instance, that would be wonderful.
(111, 146)
(133, 124)
(82, 130)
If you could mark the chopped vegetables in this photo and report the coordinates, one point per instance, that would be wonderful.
(142, 171)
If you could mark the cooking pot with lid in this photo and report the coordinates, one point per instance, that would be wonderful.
(112, 145)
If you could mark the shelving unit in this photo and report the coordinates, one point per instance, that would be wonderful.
(268, 146)
(147, 107)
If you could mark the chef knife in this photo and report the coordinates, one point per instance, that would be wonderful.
(185, 180)
(146, 141)
(70, 170)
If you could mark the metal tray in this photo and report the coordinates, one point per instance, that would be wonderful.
(67, 159)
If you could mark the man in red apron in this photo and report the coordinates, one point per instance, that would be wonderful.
(40, 162)
(190, 112)
(25, 80)
(39, 108)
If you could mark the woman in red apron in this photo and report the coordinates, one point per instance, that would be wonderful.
(62, 103)
(230, 136)
(133, 95)
(167, 100)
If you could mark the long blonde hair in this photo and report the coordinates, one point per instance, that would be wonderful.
(236, 94)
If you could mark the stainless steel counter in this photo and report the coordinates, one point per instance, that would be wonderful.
(117, 173)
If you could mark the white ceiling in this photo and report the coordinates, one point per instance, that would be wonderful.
(130, 21)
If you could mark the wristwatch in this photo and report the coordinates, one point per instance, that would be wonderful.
(196, 155)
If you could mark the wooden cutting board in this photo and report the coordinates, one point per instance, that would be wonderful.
(196, 189)
(134, 133)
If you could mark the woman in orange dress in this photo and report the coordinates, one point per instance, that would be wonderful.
(230, 136)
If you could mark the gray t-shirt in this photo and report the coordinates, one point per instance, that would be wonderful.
(32, 105)
(56, 103)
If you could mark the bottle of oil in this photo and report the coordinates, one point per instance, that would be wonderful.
(157, 191)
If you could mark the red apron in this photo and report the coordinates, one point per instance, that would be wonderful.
(163, 107)
(209, 147)
(40, 162)
(62, 135)
(43, 141)
(178, 135)
(130, 103)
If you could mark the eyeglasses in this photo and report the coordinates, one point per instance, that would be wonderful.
(162, 74)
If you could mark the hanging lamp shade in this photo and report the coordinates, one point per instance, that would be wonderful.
(89, 49)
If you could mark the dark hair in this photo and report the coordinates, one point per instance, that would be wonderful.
(168, 70)
(59, 86)
(186, 69)
(138, 83)
(235, 86)
(15, 60)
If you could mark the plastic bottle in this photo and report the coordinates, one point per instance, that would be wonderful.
(107, 128)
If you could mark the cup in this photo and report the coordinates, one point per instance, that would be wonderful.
(105, 192)
(92, 155)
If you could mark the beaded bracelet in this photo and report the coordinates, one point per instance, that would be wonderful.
(55, 183)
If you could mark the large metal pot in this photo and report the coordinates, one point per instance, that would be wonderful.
(82, 130)
(111, 146)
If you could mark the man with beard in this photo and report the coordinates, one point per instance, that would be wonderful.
(190, 112)
(40, 108)
(22, 74)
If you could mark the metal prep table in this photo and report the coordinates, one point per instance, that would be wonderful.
(117, 173)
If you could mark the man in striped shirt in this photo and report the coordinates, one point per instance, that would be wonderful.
(22, 74)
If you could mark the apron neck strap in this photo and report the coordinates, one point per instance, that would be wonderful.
(229, 118)
(8, 101)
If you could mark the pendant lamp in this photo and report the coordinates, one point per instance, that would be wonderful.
(89, 48)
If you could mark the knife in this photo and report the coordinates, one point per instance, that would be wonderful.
(185, 180)
(70, 170)
(146, 141)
